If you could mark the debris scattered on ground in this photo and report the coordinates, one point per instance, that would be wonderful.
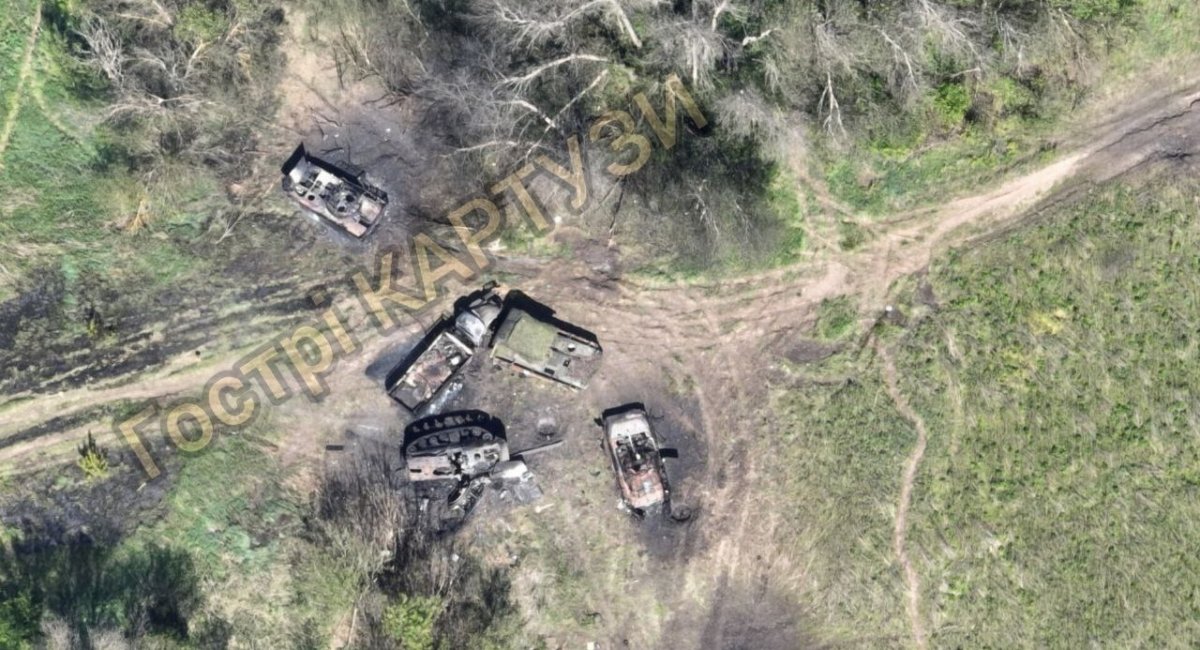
(452, 458)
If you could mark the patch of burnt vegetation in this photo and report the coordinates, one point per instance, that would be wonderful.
(62, 333)
(66, 499)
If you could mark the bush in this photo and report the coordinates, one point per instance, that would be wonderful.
(951, 102)
(93, 459)
(19, 620)
(1095, 9)
(198, 24)
(836, 319)
(410, 620)
(93, 587)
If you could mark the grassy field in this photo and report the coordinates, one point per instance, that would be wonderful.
(232, 510)
(837, 459)
(1056, 504)
(1060, 493)
(99, 245)
(67, 199)
(1058, 498)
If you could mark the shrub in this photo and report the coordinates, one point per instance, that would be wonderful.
(93, 459)
(410, 620)
(951, 102)
(198, 24)
(836, 319)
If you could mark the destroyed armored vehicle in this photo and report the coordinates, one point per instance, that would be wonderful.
(454, 457)
(637, 459)
(546, 346)
(432, 367)
(429, 369)
(336, 193)
(455, 446)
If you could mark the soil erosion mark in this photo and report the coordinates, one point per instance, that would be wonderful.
(14, 102)
(900, 534)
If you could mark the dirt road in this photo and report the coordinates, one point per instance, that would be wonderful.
(719, 333)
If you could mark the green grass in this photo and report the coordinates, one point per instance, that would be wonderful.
(781, 220)
(1163, 34)
(890, 174)
(1060, 493)
(230, 510)
(837, 455)
(1064, 470)
(939, 151)
(784, 202)
(837, 318)
(66, 199)
(227, 507)
(523, 239)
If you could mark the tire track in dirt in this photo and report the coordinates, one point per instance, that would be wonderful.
(18, 94)
(180, 377)
(718, 421)
(900, 534)
(720, 328)
(673, 316)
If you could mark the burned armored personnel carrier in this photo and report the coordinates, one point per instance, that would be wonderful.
(433, 366)
(546, 346)
(637, 459)
(452, 458)
(338, 194)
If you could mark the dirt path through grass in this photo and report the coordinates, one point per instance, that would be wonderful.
(724, 333)
(900, 533)
(745, 313)
(18, 93)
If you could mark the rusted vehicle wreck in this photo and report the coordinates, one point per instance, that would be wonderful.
(339, 195)
(520, 332)
(432, 368)
(637, 459)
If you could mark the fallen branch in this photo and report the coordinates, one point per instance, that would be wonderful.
(534, 73)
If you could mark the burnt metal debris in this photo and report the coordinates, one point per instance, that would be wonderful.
(637, 459)
(455, 446)
(519, 331)
(337, 193)
(451, 459)
(432, 368)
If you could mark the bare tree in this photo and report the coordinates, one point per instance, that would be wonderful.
(107, 54)
(533, 24)
(692, 47)
(835, 59)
